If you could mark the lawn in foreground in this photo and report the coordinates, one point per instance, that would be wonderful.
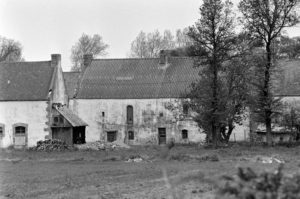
(100, 174)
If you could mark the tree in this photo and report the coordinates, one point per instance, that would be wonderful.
(265, 20)
(87, 45)
(10, 50)
(182, 38)
(139, 46)
(214, 33)
(150, 44)
(289, 47)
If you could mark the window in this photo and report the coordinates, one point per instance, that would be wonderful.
(185, 109)
(129, 114)
(161, 114)
(19, 130)
(2, 130)
(184, 134)
(58, 120)
(111, 136)
(55, 120)
(103, 114)
(130, 135)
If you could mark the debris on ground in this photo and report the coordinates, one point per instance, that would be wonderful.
(189, 157)
(101, 145)
(135, 158)
(51, 145)
(264, 159)
(268, 160)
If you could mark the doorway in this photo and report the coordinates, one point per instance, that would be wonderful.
(79, 135)
(162, 136)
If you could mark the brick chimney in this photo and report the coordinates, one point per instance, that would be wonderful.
(55, 59)
(163, 57)
(87, 60)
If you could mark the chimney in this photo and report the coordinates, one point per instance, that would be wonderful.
(55, 59)
(163, 57)
(87, 59)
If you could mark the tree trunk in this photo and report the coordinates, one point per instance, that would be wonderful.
(266, 92)
(214, 135)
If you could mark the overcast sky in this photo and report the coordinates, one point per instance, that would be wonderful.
(44, 27)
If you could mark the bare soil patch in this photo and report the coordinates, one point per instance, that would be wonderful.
(181, 172)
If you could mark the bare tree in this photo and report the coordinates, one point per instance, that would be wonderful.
(265, 20)
(182, 38)
(10, 50)
(87, 45)
(150, 44)
(139, 46)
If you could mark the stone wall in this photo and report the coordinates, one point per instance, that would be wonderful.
(30, 113)
(103, 115)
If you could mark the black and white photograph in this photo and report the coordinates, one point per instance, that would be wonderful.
(140, 99)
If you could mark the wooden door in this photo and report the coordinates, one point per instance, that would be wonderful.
(162, 136)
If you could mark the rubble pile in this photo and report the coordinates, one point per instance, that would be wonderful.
(51, 145)
(101, 145)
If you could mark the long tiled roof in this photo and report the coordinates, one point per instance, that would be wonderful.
(137, 78)
(146, 78)
(22, 81)
(71, 79)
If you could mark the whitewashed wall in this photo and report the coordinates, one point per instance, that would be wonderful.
(32, 113)
(146, 120)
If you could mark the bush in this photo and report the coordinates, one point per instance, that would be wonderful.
(267, 185)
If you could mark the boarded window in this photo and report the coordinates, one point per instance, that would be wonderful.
(130, 135)
(184, 134)
(129, 114)
(111, 136)
(19, 130)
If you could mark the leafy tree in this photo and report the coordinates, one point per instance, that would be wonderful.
(265, 20)
(10, 50)
(289, 47)
(87, 45)
(214, 33)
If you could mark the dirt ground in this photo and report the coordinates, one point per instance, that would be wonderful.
(162, 173)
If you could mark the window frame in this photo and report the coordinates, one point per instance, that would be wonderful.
(184, 134)
(128, 115)
(130, 135)
(3, 130)
(185, 109)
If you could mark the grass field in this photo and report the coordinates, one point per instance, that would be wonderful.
(163, 173)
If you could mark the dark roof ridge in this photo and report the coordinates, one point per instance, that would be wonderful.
(13, 62)
(71, 72)
(138, 58)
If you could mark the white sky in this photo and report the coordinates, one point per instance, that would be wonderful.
(44, 27)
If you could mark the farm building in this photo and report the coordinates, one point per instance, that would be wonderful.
(128, 100)
(32, 96)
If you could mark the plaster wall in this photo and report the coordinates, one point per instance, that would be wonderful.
(32, 113)
(104, 115)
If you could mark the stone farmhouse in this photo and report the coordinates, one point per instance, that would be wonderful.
(33, 104)
(125, 100)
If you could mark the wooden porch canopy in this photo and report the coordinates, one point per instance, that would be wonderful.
(70, 116)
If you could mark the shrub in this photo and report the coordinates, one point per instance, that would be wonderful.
(267, 185)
